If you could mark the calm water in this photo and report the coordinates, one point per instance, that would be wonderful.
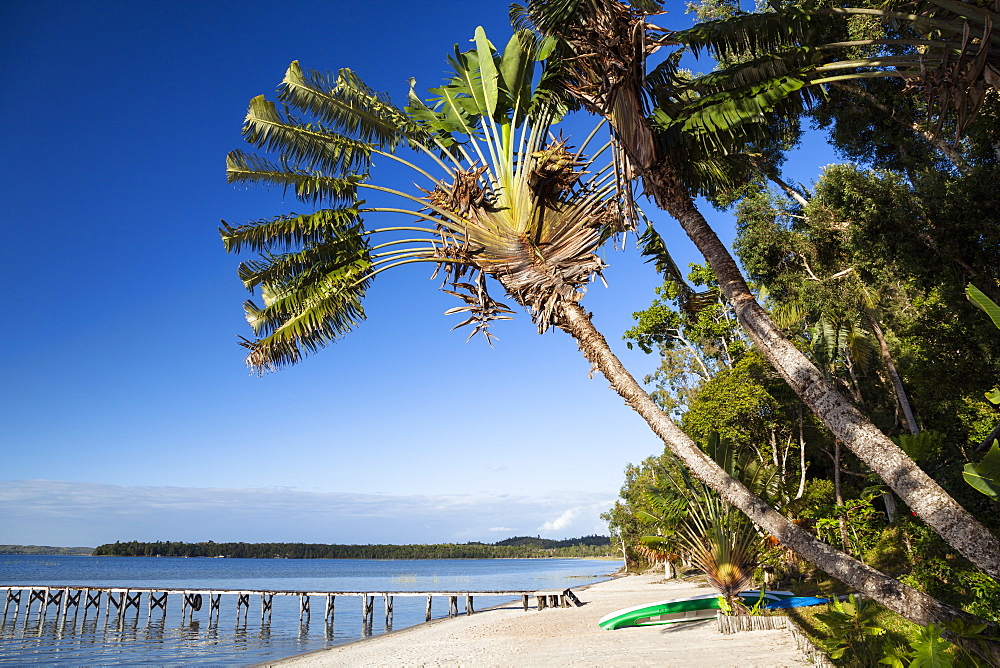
(170, 640)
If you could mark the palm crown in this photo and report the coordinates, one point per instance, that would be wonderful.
(504, 198)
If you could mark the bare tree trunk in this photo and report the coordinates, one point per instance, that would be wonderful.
(906, 601)
(839, 498)
(774, 453)
(790, 191)
(920, 492)
(802, 456)
(897, 382)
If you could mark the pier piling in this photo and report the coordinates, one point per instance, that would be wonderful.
(266, 600)
(328, 609)
(367, 608)
(16, 598)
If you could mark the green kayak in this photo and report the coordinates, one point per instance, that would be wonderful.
(676, 610)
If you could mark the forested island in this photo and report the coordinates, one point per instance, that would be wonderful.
(519, 547)
(45, 550)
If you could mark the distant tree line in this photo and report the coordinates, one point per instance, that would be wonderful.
(522, 547)
(45, 549)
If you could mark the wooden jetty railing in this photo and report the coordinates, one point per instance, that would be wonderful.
(122, 598)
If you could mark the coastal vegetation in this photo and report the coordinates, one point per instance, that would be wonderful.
(873, 274)
(521, 547)
(843, 356)
(753, 108)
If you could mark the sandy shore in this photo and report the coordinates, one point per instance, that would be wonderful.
(508, 636)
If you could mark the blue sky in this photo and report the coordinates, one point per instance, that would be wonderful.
(126, 410)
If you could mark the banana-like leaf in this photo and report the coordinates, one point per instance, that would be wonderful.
(989, 306)
(655, 542)
(317, 147)
(488, 75)
(516, 71)
(723, 452)
(985, 476)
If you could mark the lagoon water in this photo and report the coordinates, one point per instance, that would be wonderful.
(170, 640)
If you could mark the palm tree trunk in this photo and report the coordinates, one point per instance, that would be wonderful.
(924, 496)
(906, 601)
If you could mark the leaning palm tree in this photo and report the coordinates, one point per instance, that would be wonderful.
(603, 46)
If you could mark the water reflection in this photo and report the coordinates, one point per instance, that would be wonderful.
(73, 626)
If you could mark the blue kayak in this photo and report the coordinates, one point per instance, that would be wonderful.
(795, 602)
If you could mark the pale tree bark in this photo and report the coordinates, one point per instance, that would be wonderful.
(906, 601)
(788, 190)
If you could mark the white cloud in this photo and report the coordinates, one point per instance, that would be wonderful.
(588, 514)
(561, 522)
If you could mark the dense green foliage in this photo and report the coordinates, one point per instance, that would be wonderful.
(866, 270)
(512, 548)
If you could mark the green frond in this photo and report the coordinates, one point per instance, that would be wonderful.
(300, 322)
(344, 102)
(516, 70)
(546, 16)
(859, 345)
(308, 144)
(349, 247)
(283, 233)
(728, 110)
(653, 247)
(987, 305)
(755, 33)
(311, 298)
(312, 187)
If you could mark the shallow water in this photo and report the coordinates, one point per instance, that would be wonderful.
(83, 637)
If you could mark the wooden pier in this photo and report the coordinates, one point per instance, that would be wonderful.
(67, 598)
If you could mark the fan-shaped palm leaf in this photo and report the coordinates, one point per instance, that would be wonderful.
(503, 198)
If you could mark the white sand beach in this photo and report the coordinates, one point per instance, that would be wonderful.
(508, 636)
